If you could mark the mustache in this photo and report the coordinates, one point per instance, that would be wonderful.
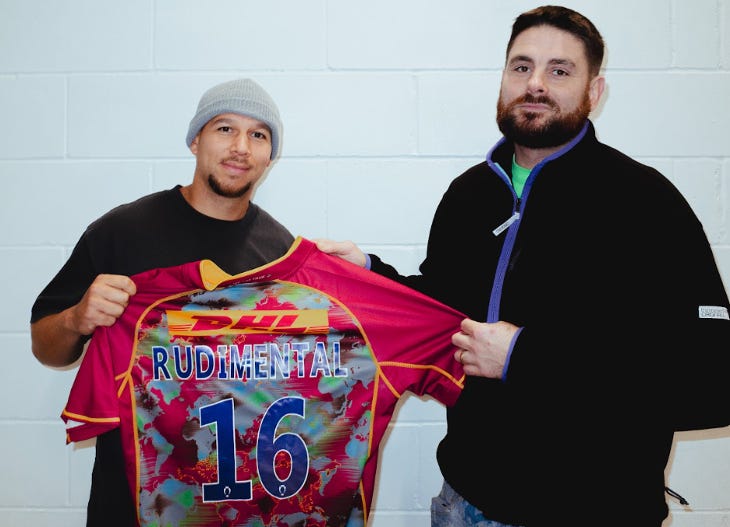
(238, 160)
(532, 99)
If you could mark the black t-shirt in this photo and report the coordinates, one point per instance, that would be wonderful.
(157, 230)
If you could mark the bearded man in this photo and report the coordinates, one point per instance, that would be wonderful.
(593, 296)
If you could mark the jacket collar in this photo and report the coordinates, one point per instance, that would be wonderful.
(502, 152)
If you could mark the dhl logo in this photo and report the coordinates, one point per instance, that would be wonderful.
(226, 321)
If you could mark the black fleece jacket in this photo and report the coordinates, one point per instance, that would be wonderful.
(606, 270)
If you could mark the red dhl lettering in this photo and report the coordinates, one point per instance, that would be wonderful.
(225, 321)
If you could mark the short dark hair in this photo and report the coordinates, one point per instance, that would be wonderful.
(568, 20)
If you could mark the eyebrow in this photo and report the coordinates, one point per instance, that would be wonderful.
(218, 119)
(520, 58)
(562, 62)
(227, 120)
(551, 62)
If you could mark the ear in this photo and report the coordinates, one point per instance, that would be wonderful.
(595, 90)
(194, 144)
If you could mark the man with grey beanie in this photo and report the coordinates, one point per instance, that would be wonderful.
(234, 134)
(241, 96)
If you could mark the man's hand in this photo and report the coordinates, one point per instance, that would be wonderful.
(102, 304)
(346, 250)
(483, 346)
(57, 340)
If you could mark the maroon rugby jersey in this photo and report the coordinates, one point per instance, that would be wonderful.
(261, 398)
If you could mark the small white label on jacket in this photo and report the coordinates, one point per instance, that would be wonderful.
(714, 312)
(499, 230)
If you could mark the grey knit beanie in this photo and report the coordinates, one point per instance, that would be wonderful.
(241, 96)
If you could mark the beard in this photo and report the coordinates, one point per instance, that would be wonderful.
(525, 129)
(216, 187)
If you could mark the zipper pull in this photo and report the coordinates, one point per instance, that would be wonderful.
(499, 230)
(676, 496)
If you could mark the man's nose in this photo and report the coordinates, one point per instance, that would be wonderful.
(241, 145)
(536, 83)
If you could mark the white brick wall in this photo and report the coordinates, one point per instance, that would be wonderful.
(383, 103)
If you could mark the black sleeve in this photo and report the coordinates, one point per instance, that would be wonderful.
(68, 286)
(643, 332)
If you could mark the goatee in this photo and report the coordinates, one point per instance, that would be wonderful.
(525, 130)
(216, 187)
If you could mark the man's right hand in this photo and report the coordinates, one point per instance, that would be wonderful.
(346, 250)
(102, 304)
(57, 340)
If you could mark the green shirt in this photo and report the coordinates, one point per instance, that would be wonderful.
(519, 176)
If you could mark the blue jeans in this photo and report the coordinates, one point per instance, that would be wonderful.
(449, 509)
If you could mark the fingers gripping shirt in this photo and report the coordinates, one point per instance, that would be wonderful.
(261, 398)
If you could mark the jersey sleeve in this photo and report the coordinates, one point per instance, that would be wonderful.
(92, 407)
(409, 331)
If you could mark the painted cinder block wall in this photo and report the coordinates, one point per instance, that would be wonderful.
(383, 102)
